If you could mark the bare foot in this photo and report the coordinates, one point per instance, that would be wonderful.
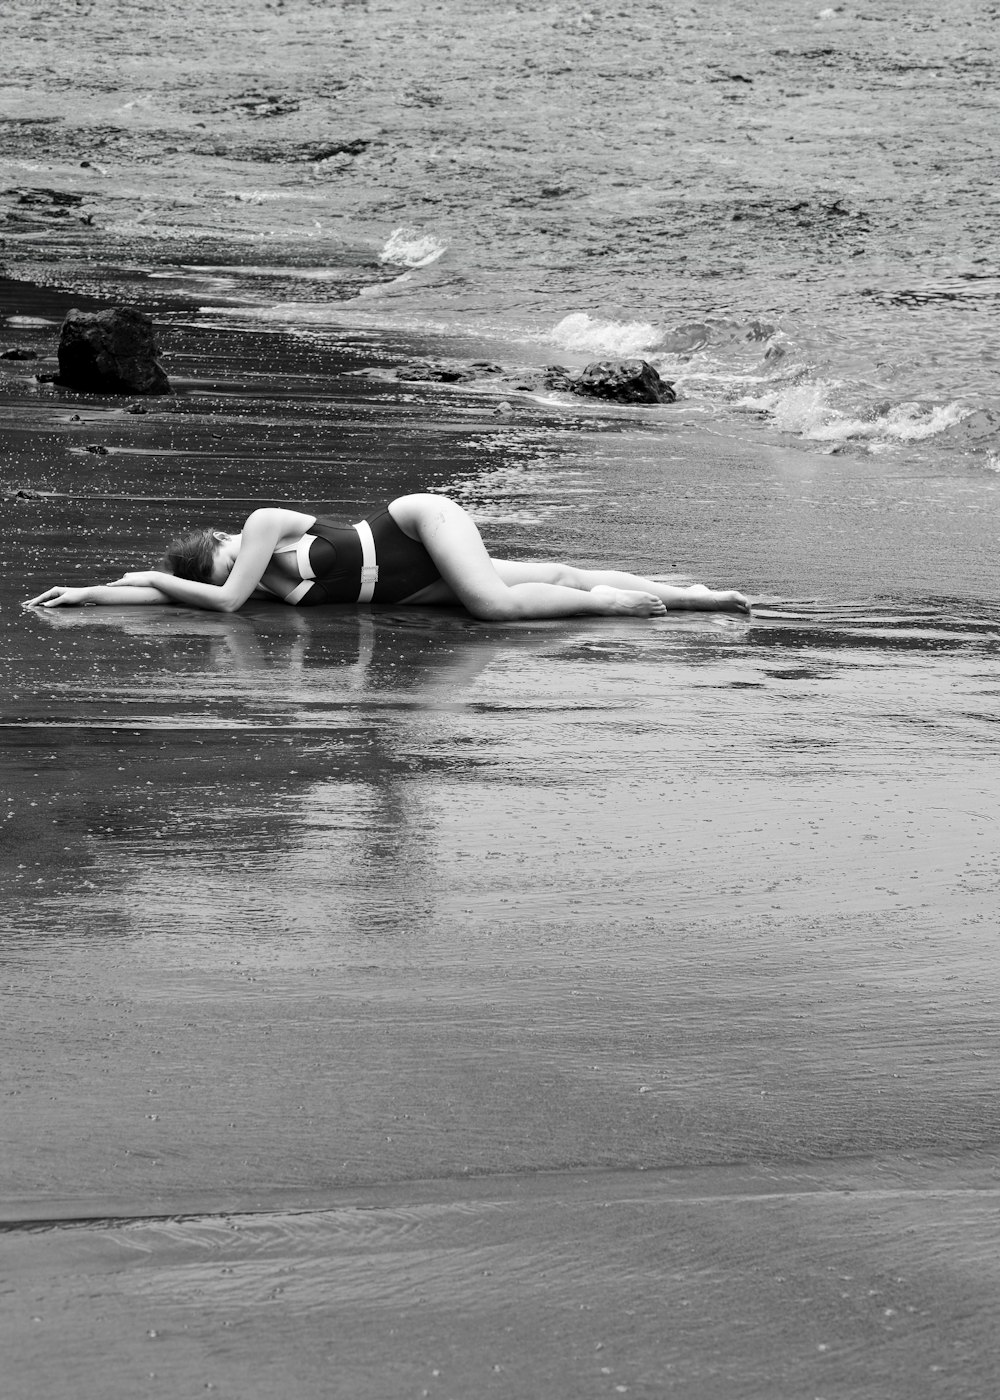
(709, 599)
(623, 602)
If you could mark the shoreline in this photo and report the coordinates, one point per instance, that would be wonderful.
(845, 531)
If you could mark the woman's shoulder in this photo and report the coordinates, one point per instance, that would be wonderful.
(276, 525)
(286, 519)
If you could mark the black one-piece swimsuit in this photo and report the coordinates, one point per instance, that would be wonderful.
(334, 555)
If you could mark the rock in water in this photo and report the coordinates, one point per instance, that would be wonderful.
(624, 381)
(110, 352)
(435, 372)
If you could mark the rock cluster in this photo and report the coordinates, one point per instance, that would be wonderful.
(619, 381)
(444, 371)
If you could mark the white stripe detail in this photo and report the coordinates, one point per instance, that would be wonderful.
(299, 591)
(306, 570)
(369, 568)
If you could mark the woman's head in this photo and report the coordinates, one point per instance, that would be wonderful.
(204, 556)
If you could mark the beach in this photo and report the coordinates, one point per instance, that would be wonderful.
(398, 1004)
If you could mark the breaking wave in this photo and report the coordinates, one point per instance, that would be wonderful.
(807, 410)
(582, 334)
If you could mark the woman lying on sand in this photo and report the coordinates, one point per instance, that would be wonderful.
(419, 550)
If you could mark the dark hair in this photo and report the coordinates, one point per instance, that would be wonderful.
(192, 556)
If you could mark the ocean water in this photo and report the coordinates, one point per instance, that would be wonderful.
(789, 209)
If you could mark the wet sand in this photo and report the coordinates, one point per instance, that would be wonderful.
(406, 1005)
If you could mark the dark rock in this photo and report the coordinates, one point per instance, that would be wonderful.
(277, 152)
(551, 378)
(337, 148)
(16, 354)
(623, 381)
(270, 104)
(434, 372)
(98, 449)
(557, 377)
(46, 196)
(110, 352)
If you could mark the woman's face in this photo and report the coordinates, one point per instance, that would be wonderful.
(226, 549)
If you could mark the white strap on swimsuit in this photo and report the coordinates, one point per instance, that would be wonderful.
(301, 551)
(301, 547)
(369, 568)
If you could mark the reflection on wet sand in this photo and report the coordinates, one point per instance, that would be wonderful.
(278, 731)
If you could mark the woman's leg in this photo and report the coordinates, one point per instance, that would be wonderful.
(450, 536)
(694, 596)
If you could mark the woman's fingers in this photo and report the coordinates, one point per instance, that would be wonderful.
(57, 598)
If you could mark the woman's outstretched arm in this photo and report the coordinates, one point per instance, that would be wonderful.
(105, 594)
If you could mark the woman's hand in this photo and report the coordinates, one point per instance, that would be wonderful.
(60, 598)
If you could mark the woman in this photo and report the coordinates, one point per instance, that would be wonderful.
(420, 550)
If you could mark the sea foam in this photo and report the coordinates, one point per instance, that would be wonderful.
(806, 409)
(408, 247)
